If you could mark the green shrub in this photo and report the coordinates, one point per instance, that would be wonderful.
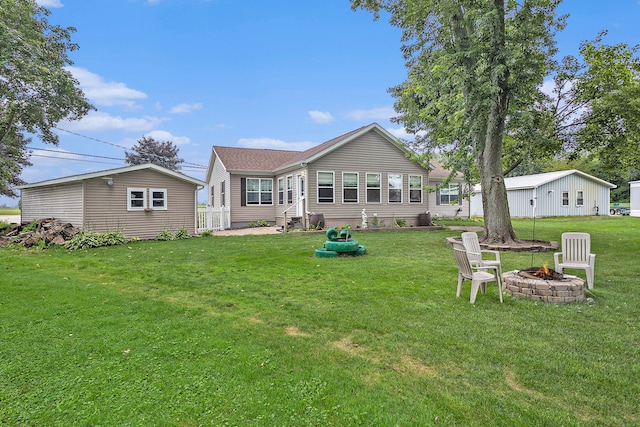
(88, 239)
(263, 223)
(166, 235)
(206, 233)
(182, 234)
(252, 224)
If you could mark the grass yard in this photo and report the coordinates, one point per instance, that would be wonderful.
(9, 211)
(256, 331)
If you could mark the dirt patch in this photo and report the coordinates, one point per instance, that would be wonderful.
(247, 231)
(295, 332)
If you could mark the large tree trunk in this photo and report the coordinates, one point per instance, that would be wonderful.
(495, 206)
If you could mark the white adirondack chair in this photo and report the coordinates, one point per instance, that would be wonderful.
(576, 254)
(479, 276)
(474, 252)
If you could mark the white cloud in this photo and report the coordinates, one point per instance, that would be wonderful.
(186, 108)
(101, 92)
(49, 3)
(97, 120)
(274, 144)
(321, 117)
(383, 113)
(163, 135)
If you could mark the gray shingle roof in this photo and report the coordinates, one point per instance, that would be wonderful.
(270, 161)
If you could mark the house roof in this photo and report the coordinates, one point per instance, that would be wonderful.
(110, 172)
(271, 161)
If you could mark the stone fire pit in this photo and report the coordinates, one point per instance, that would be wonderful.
(558, 288)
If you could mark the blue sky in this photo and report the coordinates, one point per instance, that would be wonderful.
(283, 74)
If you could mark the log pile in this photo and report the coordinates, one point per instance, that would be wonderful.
(48, 230)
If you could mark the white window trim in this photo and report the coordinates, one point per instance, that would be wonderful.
(281, 191)
(562, 199)
(129, 199)
(165, 198)
(389, 188)
(421, 189)
(366, 188)
(357, 188)
(259, 192)
(333, 187)
(582, 205)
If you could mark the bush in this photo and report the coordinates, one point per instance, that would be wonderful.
(88, 239)
(182, 234)
(166, 235)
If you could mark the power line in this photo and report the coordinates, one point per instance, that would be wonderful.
(75, 154)
(196, 165)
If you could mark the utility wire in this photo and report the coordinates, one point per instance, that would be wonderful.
(196, 165)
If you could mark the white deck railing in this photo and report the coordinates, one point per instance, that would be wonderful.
(214, 219)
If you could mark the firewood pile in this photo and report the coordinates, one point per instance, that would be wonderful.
(48, 230)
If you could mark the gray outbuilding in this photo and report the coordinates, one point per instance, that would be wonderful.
(561, 193)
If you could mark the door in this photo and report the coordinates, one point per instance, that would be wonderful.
(300, 204)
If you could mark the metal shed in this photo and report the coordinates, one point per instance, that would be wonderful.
(561, 193)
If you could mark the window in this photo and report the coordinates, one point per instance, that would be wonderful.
(158, 198)
(223, 201)
(373, 188)
(259, 191)
(280, 191)
(349, 187)
(395, 187)
(289, 189)
(325, 187)
(579, 198)
(415, 188)
(565, 198)
(449, 194)
(136, 199)
(212, 200)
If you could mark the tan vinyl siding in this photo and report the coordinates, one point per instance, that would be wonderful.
(106, 206)
(63, 202)
(219, 175)
(371, 153)
(241, 215)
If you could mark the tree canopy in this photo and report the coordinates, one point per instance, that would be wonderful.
(148, 150)
(36, 89)
(474, 73)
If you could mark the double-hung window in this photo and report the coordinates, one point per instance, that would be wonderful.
(565, 198)
(325, 187)
(280, 191)
(449, 194)
(579, 198)
(349, 187)
(374, 188)
(136, 199)
(158, 198)
(289, 189)
(395, 187)
(259, 191)
(415, 188)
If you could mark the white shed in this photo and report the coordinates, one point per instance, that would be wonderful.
(634, 188)
(561, 193)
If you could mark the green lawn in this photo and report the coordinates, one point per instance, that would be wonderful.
(9, 211)
(256, 331)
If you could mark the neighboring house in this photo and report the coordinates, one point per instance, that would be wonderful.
(365, 169)
(634, 190)
(140, 200)
(562, 193)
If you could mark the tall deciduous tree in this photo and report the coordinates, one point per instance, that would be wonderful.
(36, 89)
(472, 67)
(596, 104)
(148, 150)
